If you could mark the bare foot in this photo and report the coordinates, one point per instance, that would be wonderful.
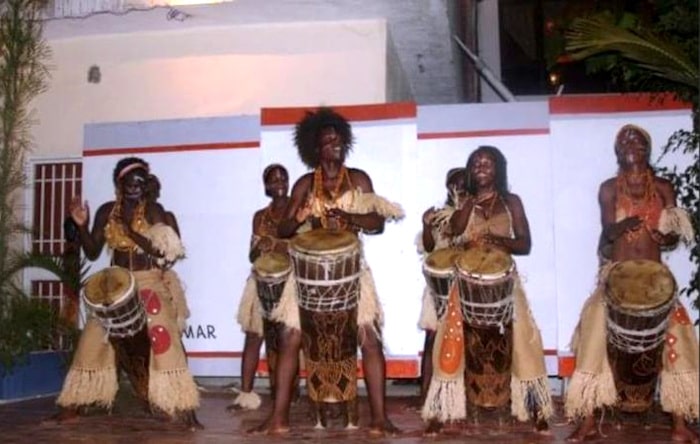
(433, 429)
(681, 433)
(270, 427)
(542, 427)
(63, 416)
(387, 428)
(585, 431)
(189, 419)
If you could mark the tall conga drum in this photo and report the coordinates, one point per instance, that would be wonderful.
(639, 296)
(485, 279)
(271, 271)
(111, 296)
(439, 271)
(327, 269)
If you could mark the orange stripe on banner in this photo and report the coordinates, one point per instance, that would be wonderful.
(90, 152)
(616, 103)
(484, 133)
(383, 111)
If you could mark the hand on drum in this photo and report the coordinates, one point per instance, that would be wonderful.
(338, 219)
(496, 241)
(79, 211)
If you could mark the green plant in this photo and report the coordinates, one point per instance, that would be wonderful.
(25, 324)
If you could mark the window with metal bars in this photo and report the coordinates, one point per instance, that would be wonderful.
(53, 187)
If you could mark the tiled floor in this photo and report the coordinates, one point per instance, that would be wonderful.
(21, 422)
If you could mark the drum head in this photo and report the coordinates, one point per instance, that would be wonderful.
(486, 262)
(108, 286)
(442, 260)
(640, 285)
(323, 241)
(272, 264)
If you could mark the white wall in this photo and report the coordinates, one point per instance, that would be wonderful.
(206, 71)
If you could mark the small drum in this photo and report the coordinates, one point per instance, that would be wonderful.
(485, 280)
(111, 296)
(639, 294)
(327, 268)
(438, 269)
(271, 271)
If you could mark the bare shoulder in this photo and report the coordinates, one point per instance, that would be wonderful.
(663, 184)
(304, 182)
(105, 209)
(360, 179)
(513, 199)
(607, 188)
(665, 188)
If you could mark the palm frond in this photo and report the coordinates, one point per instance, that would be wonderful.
(597, 35)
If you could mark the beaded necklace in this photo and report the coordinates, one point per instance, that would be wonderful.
(321, 195)
(646, 207)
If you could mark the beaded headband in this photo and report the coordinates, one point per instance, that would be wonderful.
(131, 167)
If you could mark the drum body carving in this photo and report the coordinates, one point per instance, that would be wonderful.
(485, 279)
(111, 296)
(327, 270)
(271, 271)
(639, 297)
(438, 269)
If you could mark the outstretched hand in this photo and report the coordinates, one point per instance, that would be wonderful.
(79, 211)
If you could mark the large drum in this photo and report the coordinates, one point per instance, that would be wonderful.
(327, 268)
(639, 295)
(439, 270)
(111, 296)
(271, 271)
(485, 277)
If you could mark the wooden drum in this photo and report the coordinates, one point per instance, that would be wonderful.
(485, 279)
(639, 296)
(327, 269)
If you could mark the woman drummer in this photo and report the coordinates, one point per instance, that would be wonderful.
(491, 215)
(135, 229)
(263, 240)
(336, 197)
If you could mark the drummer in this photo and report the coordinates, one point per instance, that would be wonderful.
(639, 219)
(436, 235)
(491, 215)
(334, 196)
(263, 240)
(135, 229)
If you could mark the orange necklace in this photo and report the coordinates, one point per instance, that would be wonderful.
(320, 192)
(646, 207)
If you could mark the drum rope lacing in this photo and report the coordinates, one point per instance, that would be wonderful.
(639, 341)
(325, 293)
(269, 298)
(135, 318)
(501, 315)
